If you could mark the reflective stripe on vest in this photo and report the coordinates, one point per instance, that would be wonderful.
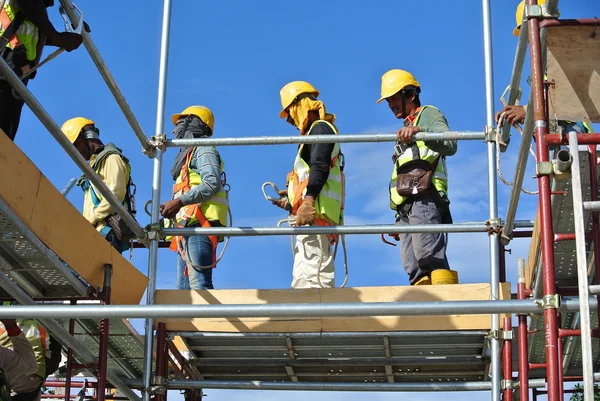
(38, 338)
(418, 151)
(329, 202)
(27, 34)
(213, 209)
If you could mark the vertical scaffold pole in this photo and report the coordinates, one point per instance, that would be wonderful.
(587, 362)
(547, 242)
(156, 184)
(522, 337)
(493, 198)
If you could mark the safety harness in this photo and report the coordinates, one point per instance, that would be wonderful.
(188, 212)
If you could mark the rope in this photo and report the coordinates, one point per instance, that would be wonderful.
(499, 170)
(182, 250)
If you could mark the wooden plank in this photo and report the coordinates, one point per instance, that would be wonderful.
(22, 183)
(534, 252)
(55, 221)
(357, 294)
(218, 297)
(460, 292)
(574, 65)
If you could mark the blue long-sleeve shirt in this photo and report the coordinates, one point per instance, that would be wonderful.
(207, 163)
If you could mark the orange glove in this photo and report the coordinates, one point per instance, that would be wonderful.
(306, 214)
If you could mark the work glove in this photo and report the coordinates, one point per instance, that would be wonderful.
(283, 201)
(67, 40)
(306, 214)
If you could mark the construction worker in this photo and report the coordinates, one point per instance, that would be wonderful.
(199, 199)
(315, 186)
(27, 386)
(16, 359)
(419, 183)
(114, 169)
(516, 114)
(25, 29)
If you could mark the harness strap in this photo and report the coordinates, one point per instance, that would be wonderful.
(11, 27)
(189, 212)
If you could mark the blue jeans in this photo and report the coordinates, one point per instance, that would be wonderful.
(199, 251)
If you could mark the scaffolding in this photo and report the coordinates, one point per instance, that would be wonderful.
(554, 330)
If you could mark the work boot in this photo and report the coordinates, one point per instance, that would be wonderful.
(423, 281)
(442, 276)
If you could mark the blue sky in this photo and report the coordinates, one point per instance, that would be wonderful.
(234, 57)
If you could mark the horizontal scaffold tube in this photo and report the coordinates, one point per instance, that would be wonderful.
(7, 73)
(476, 227)
(286, 310)
(296, 386)
(347, 138)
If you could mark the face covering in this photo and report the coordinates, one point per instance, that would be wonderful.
(299, 113)
(188, 127)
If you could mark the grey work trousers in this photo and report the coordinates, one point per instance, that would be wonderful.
(422, 253)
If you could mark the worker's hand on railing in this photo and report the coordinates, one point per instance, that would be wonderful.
(405, 135)
(511, 114)
(67, 40)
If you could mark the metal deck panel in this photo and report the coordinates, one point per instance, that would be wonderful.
(340, 357)
(33, 267)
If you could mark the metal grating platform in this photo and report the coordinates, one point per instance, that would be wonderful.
(566, 276)
(34, 268)
(360, 357)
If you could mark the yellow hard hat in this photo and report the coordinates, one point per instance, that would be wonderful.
(202, 112)
(72, 128)
(394, 81)
(291, 91)
(519, 15)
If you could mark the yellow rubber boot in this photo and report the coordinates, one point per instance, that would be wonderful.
(439, 277)
(423, 281)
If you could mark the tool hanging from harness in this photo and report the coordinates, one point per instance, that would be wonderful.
(193, 212)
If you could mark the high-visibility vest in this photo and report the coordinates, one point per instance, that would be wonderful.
(27, 33)
(329, 203)
(38, 338)
(418, 150)
(214, 209)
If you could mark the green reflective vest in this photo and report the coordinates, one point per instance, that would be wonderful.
(215, 208)
(418, 150)
(27, 34)
(329, 202)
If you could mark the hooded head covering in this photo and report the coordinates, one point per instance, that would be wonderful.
(187, 127)
(299, 112)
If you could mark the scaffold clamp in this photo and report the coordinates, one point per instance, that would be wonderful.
(494, 226)
(491, 134)
(158, 141)
(549, 302)
(543, 168)
(509, 385)
(540, 12)
(505, 335)
(160, 385)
